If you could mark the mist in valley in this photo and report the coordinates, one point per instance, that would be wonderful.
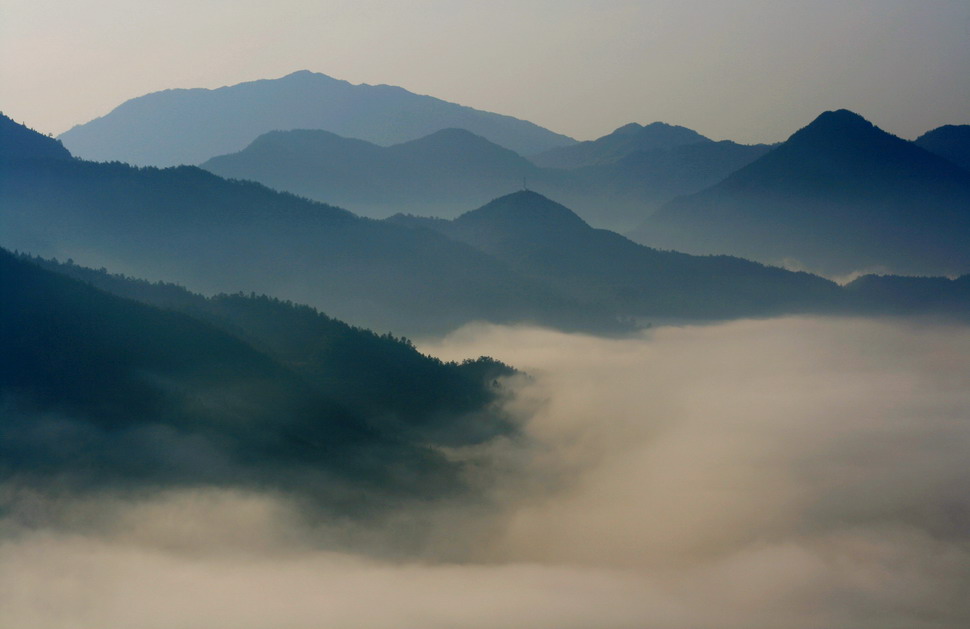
(790, 472)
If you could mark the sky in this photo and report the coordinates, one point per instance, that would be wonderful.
(747, 70)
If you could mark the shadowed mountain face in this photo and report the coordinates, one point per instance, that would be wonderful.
(100, 392)
(453, 170)
(546, 241)
(400, 391)
(18, 142)
(949, 141)
(189, 126)
(839, 196)
(627, 139)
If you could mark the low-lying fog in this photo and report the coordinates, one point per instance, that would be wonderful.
(787, 473)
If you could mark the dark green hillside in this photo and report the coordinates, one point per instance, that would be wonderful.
(102, 391)
(386, 379)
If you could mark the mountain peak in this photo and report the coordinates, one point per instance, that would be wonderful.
(657, 135)
(838, 125)
(306, 75)
(19, 142)
(632, 128)
(527, 210)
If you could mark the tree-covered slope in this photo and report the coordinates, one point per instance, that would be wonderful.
(101, 391)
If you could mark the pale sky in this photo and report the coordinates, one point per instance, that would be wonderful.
(748, 70)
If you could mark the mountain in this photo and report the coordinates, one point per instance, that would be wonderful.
(400, 391)
(546, 241)
(839, 196)
(618, 195)
(629, 138)
(212, 235)
(453, 170)
(900, 295)
(949, 141)
(438, 174)
(189, 126)
(17, 142)
(100, 392)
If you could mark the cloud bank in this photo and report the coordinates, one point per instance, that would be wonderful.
(783, 473)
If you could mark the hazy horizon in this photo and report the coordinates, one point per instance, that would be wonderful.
(750, 71)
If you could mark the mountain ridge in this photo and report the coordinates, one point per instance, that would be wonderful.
(188, 126)
(839, 196)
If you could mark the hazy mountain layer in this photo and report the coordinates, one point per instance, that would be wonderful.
(630, 138)
(189, 126)
(546, 241)
(452, 171)
(441, 174)
(838, 196)
(620, 194)
(212, 235)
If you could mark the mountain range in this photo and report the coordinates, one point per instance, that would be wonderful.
(454, 170)
(520, 258)
(630, 138)
(189, 126)
(546, 241)
(436, 175)
(839, 196)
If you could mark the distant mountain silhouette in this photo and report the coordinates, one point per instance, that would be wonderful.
(441, 174)
(189, 126)
(839, 196)
(629, 138)
(522, 258)
(453, 170)
(546, 241)
(18, 142)
(949, 141)
(212, 235)
(619, 195)
(103, 392)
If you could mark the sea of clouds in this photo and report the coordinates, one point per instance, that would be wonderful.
(793, 472)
